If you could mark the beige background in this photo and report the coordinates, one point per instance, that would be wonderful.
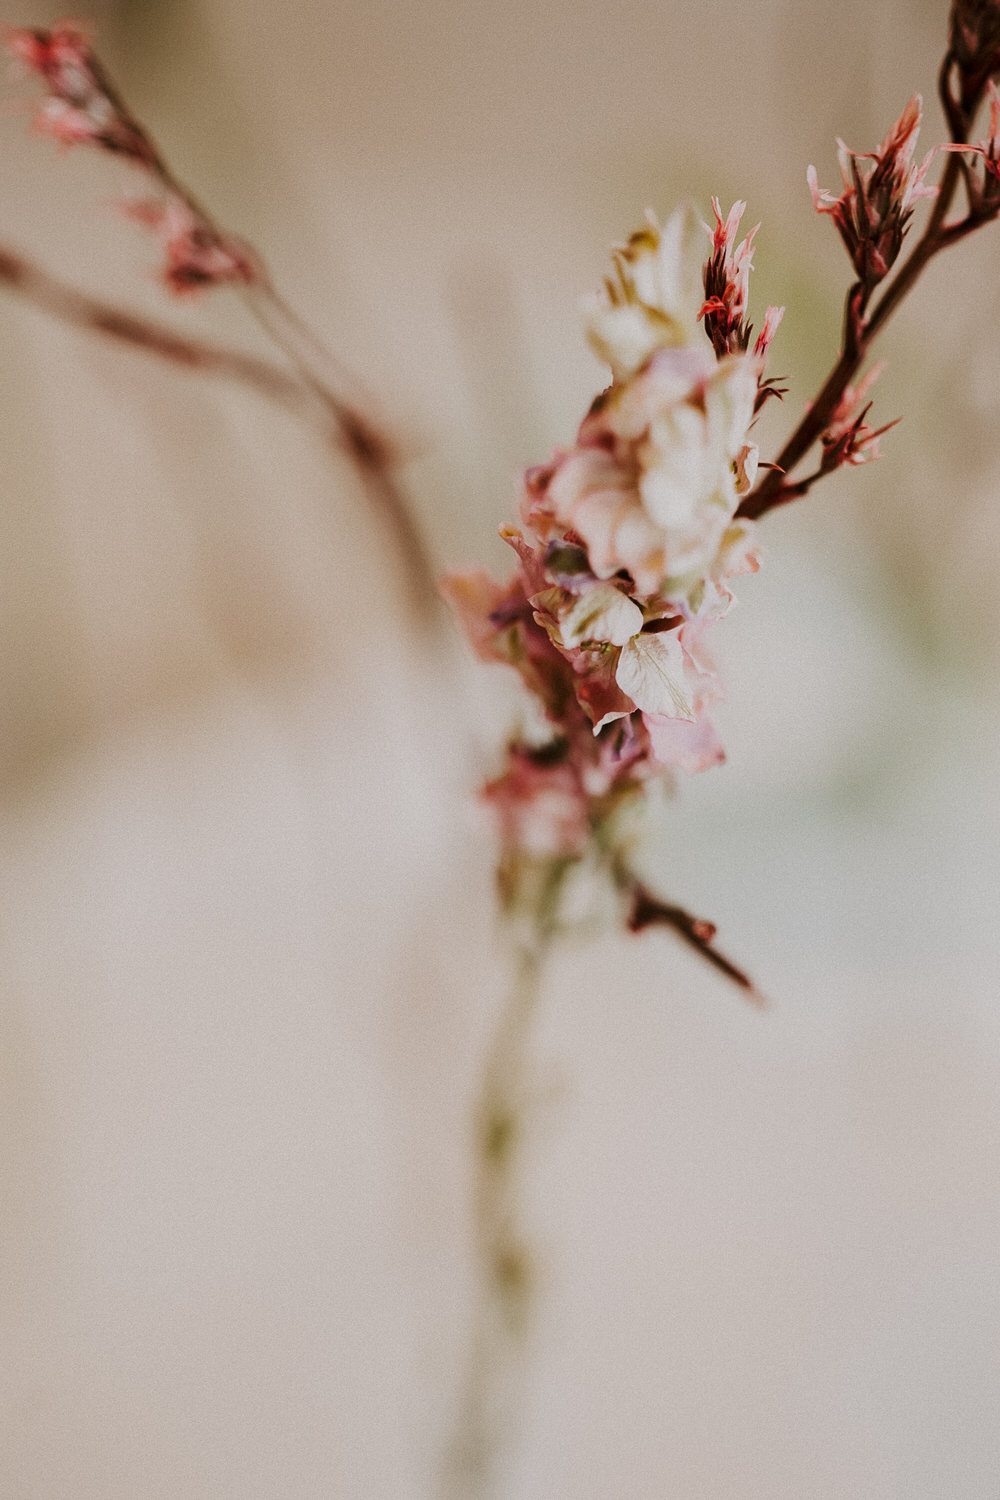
(246, 947)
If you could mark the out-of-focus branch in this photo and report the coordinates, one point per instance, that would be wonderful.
(92, 314)
(85, 107)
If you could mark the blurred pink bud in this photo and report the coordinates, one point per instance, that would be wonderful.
(82, 107)
(540, 804)
(197, 255)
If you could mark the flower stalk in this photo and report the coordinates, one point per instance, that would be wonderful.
(503, 1271)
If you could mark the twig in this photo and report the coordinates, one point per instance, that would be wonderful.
(94, 315)
(361, 437)
(503, 1263)
(90, 108)
(859, 333)
(647, 910)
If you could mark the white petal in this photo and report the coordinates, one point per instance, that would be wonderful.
(603, 613)
(624, 337)
(671, 278)
(651, 672)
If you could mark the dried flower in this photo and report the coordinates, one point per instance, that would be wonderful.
(81, 108)
(880, 188)
(849, 439)
(197, 254)
(627, 546)
(727, 282)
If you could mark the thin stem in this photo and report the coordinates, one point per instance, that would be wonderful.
(94, 315)
(333, 391)
(333, 387)
(76, 308)
(366, 444)
(503, 1263)
(648, 910)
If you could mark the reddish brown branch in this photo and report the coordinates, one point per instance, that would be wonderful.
(859, 332)
(647, 910)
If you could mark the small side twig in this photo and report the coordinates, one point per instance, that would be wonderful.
(647, 910)
(859, 333)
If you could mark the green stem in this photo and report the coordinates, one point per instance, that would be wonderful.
(502, 1308)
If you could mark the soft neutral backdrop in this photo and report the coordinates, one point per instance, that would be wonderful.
(247, 953)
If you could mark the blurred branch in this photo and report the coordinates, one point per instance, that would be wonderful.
(83, 106)
(93, 315)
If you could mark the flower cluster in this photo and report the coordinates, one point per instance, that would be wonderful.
(627, 545)
(83, 108)
(880, 189)
(196, 255)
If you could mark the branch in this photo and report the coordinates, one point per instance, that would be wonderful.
(96, 316)
(859, 334)
(647, 910)
(84, 106)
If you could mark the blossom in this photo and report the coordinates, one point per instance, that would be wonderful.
(650, 303)
(197, 254)
(656, 476)
(628, 544)
(727, 282)
(873, 212)
(81, 107)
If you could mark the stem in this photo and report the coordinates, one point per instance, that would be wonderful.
(367, 446)
(96, 316)
(332, 390)
(647, 910)
(349, 431)
(503, 1265)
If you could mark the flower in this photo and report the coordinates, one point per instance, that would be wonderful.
(197, 255)
(873, 212)
(727, 281)
(627, 547)
(81, 108)
(650, 303)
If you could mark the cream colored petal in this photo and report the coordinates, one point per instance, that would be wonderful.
(651, 672)
(603, 613)
(624, 337)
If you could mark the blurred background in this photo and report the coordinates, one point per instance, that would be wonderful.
(247, 952)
